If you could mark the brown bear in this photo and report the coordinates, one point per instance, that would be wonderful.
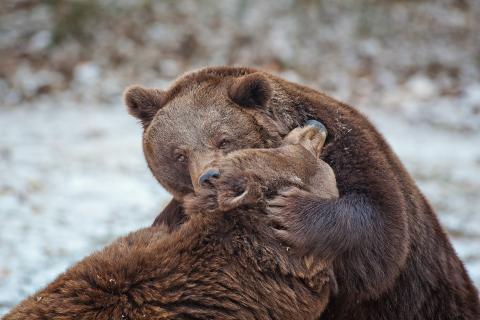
(224, 263)
(391, 257)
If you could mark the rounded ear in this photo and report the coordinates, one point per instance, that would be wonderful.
(250, 90)
(143, 103)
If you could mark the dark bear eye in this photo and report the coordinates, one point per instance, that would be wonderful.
(181, 158)
(224, 143)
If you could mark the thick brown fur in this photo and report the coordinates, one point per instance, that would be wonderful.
(223, 263)
(214, 267)
(391, 257)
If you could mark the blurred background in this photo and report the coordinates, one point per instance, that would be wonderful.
(72, 173)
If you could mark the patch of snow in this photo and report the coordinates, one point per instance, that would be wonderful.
(72, 180)
(40, 40)
(86, 74)
(421, 87)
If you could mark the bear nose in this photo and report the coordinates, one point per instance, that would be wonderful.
(206, 177)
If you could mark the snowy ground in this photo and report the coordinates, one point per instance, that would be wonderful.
(74, 178)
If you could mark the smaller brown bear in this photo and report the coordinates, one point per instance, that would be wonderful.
(248, 175)
(223, 263)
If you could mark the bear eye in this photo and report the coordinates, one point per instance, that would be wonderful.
(223, 144)
(180, 157)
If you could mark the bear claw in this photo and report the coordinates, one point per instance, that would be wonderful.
(318, 125)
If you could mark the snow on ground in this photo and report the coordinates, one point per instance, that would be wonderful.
(73, 178)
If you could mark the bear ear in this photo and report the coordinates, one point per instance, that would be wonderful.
(251, 90)
(143, 103)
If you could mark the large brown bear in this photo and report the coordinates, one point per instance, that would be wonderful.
(392, 258)
(224, 263)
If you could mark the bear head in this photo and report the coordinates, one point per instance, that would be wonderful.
(205, 115)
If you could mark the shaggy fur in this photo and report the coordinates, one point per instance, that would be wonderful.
(214, 267)
(220, 264)
(391, 257)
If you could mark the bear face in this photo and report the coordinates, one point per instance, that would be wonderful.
(189, 127)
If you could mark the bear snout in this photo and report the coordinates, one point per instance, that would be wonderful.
(206, 177)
